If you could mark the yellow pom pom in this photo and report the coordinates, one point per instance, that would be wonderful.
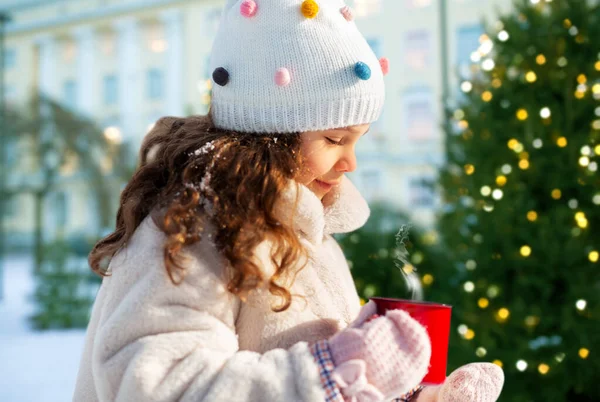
(310, 8)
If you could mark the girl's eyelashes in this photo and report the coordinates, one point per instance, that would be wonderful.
(332, 141)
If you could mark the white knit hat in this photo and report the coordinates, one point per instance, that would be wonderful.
(283, 66)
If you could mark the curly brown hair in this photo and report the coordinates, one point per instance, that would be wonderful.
(247, 172)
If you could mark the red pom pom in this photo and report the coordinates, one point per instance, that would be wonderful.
(248, 8)
(385, 65)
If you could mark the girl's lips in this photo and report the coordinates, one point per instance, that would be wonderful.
(324, 186)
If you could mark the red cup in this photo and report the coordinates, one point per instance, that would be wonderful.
(435, 318)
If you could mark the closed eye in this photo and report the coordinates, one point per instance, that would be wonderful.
(332, 141)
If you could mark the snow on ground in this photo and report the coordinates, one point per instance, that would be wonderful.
(34, 366)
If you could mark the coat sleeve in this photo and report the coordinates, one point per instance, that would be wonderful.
(159, 342)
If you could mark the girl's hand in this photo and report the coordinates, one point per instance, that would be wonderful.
(475, 382)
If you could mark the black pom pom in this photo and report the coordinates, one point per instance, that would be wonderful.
(221, 76)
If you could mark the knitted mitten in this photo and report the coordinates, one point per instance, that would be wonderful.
(475, 382)
(381, 359)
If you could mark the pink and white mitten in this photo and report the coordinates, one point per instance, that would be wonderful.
(380, 359)
(475, 382)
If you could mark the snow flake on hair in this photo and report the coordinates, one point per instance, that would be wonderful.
(206, 148)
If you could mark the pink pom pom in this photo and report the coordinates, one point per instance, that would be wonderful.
(248, 8)
(347, 13)
(282, 77)
(385, 65)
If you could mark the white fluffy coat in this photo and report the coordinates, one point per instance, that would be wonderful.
(149, 340)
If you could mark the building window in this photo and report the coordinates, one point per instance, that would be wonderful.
(70, 93)
(111, 90)
(418, 49)
(422, 191)
(417, 3)
(155, 38)
(107, 43)
(155, 84)
(10, 58)
(69, 49)
(467, 43)
(419, 114)
(61, 209)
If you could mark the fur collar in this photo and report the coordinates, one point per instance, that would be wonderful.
(342, 210)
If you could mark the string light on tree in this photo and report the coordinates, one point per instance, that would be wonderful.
(503, 36)
(522, 114)
(584, 353)
(531, 77)
(540, 59)
(483, 303)
(593, 256)
(532, 216)
(556, 194)
(521, 365)
(525, 251)
(580, 304)
(545, 113)
(562, 142)
(488, 65)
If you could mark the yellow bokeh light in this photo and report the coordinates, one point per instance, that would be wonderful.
(581, 78)
(532, 216)
(597, 65)
(556, 194)
(593, 256)
(483, 302)
(501, 180)
(503, 313)
(584, 353)
(597, 149)
(596, 89)
(532, 321)
(525, 251)
(362, 301)
(543, 368)
(498, 363)
(580, 215)
(496, 83)
(540, 59)
(463, 124)
(531, 76)
(562, 142)
(579, 94)
(469, 169)
(582, 223)
(486, 96)
(512, 143)
(522, 114)
(427, 279)
(470, 334)
(524, 164)
(567, 23)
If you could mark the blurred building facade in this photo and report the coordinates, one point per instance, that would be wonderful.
(126, 63)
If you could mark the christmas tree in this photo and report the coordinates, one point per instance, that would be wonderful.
(521, 224)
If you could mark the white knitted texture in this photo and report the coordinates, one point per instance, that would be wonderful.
(320, 54)
(395, 348)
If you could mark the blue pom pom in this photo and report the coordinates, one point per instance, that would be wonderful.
(362, 70)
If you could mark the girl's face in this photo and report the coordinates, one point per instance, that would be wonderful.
(328, 154)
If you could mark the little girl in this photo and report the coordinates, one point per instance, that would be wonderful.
(222, 281)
